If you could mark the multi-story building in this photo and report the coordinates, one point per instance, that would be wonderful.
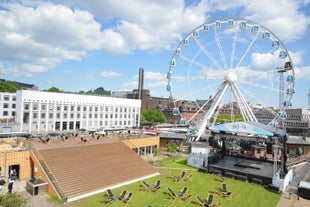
(36, 111)
(296, 123)
(7, 107)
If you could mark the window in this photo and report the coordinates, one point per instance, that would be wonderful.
(42, 115)
(34, 115)
(5, 105)
(43, 107)
(13, 113)
(72, 108)
(6, 97)
(5, 113)
(13, 98)
(13, 106)
(51, 115)
(26, 106)
(35, 107)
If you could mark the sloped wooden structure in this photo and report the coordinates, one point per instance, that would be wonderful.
(80, 171)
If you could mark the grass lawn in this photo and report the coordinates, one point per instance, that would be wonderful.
(243, 193)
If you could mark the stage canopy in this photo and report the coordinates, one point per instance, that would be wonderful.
(245, 128)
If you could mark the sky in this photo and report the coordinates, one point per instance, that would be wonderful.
(82, 45)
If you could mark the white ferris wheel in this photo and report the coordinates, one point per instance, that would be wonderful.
(233, 65)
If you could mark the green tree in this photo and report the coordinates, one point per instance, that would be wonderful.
(90, 92)
(9, 86)
(152, 116)
(172, 147)
(53, 89)
(13, 200)
(227, 118)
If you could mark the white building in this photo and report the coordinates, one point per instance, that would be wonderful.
(37, 111)
(7, 107)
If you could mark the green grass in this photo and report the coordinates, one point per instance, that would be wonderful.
(243, 193)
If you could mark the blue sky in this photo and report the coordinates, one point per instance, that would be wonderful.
(81, 45)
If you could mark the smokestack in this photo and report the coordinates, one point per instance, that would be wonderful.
(141, 78)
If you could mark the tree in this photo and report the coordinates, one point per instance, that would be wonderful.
(172, 147)
(9, 86)
(13, 200)
(53, 89)
(152, 116)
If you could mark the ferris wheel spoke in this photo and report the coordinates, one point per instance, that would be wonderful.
(208, 54)
(232, 56)
(258, 100)
(247, 50)
(192, 61)
(209, 88)
(259, 86)
(219, 45)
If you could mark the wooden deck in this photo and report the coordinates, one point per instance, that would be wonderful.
(89, 169)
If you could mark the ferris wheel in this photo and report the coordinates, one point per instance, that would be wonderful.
(234, 66)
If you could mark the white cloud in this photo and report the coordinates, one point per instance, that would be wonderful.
(110, 74)
(263, 60)
(282, 17)
(302, 73)
(38, 38)
(39, 35)
(154, 76)
(130, 85)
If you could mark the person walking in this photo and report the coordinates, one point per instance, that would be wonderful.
(10, 185)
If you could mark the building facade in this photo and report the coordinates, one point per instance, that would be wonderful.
(297, 121)
(7, 107)
(37, 111)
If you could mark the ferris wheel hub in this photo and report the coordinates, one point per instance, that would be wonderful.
(231, 77)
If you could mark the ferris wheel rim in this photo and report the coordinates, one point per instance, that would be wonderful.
(238, 20)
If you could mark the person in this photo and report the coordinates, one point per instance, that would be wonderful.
(10, 185)
(13, 174)
(2, 183)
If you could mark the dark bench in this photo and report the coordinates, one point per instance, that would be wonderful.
(242, 178)
(256, 181)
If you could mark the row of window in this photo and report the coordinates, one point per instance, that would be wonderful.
(78, 115)
(8, 97)
(6, 113)
(35, 107)
(7, 105)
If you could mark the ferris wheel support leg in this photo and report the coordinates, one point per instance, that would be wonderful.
(248, 112)
(217, 99)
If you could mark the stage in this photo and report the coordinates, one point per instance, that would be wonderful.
(256, 171)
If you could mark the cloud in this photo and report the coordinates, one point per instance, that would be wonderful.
(130, 85)
(302, 73)
(110, 74)
(36, 39)
(271, 15)
(36, 36)
(154, 76)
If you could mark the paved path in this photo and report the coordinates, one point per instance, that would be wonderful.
(301, 172)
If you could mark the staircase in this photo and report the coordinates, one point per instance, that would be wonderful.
(81, 171)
